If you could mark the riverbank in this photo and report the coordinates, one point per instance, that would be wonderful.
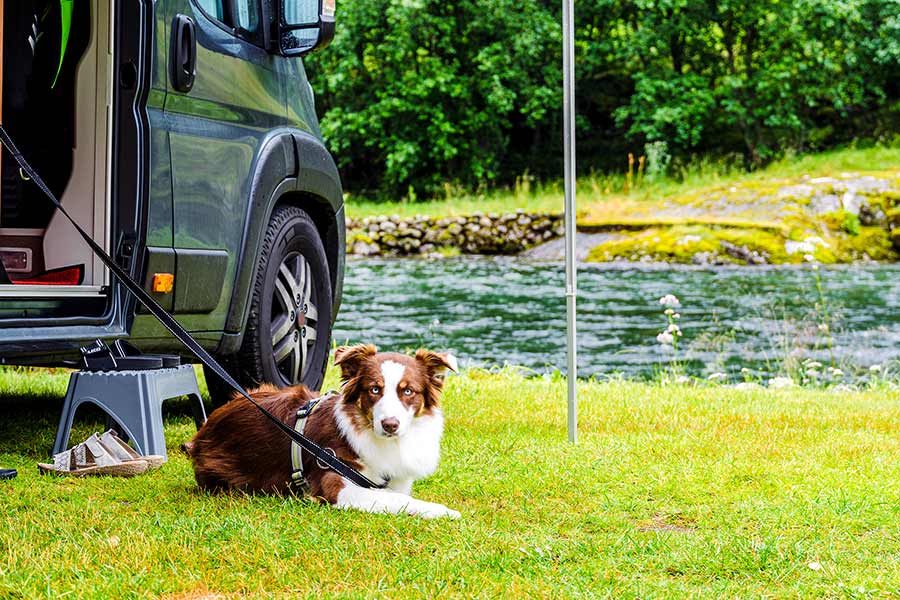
(671, 492)
(478, 233)
(823, 207)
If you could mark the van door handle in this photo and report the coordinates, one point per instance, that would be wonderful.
(183, 44)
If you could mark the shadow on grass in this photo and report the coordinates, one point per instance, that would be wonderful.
(30, 419)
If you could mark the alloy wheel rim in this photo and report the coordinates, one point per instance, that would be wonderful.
(294, 318)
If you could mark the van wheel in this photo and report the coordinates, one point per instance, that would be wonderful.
(288, 333)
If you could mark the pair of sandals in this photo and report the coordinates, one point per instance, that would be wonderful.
(101, 454)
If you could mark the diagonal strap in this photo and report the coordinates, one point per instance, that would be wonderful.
(326, 458)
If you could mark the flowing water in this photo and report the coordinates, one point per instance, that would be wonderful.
(492, 311)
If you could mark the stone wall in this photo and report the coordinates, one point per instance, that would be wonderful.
(474, 234)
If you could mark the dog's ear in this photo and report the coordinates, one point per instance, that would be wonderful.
(436, 364)
(348, 358)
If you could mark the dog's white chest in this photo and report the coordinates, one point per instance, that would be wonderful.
(410, 457)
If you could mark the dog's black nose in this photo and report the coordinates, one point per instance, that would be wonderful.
(390, 425)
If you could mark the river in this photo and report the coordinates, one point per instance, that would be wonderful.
(495, 311)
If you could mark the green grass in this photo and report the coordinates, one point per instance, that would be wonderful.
(611, 189)
(672, 492)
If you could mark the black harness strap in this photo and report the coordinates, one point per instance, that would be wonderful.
(324, 457)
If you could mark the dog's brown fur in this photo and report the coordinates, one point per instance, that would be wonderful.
(239, 448)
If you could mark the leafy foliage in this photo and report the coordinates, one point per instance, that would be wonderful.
(419, 95)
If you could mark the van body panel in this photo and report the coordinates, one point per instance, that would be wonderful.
(216, 130)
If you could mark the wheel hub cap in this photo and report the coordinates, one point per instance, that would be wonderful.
(294, 318)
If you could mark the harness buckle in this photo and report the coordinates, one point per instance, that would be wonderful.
(305, 410)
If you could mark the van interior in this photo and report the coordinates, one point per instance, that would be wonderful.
(56, 103)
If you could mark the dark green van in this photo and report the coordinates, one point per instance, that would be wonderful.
(182, 134)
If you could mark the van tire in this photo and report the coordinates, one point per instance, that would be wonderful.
(291, 243)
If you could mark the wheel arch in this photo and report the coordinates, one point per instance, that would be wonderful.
(293, 167)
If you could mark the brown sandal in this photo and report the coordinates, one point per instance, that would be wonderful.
(124, 452)
(91, 457)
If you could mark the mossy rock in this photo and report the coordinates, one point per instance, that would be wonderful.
(892, 197)
(871, 242)
(893, 217)
(696, 243)
(360, 236)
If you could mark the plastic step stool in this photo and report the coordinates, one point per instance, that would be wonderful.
(133, 400)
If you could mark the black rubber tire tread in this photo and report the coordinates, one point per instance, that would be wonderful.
(288, 225)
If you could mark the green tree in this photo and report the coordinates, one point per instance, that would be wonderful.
(768, 71)
(421, 93)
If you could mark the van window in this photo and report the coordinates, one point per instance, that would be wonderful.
(247, 15)
(241, 17)
(213, 8)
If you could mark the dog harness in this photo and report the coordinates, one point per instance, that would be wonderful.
(296, 451)
(297, 476)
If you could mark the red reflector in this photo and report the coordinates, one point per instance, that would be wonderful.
(62, 276)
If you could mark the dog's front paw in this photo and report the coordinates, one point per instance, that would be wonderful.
(431, 510)
(453, 514)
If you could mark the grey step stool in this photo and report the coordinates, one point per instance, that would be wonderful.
(133, 401)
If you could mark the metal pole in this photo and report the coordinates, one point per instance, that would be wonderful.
(569, 164)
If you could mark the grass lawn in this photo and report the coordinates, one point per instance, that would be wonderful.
(672, 492)
(607, 194)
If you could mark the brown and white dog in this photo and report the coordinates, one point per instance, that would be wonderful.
(387, 423)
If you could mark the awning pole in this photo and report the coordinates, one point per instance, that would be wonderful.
(569, 165)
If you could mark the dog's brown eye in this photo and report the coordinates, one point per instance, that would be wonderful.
(407, 392)
(374, 390)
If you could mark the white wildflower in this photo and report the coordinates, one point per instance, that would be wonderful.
(823, 327)
(669, 312)
(875, 368)
(835, 372)
(815, 566)
(665, 338)
(745, 370)
(809, 258)
(812, 364)
(673, 329)
(676, 316)
(670, 301)
(781, 382)
(717, 376)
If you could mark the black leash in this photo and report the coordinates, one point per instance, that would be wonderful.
(324, 456)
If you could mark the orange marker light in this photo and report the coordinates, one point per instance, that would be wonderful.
(163, 283)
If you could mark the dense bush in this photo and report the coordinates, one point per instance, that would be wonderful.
(417, 95)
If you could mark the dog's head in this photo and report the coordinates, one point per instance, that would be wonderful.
(390, 390)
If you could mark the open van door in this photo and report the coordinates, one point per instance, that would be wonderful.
(74, 92)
